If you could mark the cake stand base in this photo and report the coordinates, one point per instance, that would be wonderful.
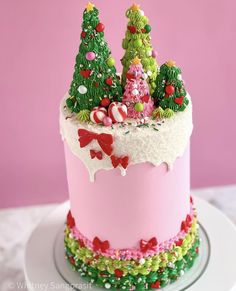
(46, 268)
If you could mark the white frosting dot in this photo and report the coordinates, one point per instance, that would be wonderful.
(149, 73)
(135, 92)
(142, 261)
(82, 89)
(145, 76)
(107, 285)
(71, 235)
(181, 272)
(141, 12)
(179, 77)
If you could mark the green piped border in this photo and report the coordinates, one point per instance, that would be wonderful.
(131, 267)
(163, 276)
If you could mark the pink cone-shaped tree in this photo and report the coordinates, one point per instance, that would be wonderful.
(136, 96)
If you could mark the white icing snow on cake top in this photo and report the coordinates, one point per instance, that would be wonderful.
(154, 141)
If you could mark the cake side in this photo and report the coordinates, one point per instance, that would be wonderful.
(148, 202)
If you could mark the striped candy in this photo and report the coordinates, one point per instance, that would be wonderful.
(97, 114)
(117, 112)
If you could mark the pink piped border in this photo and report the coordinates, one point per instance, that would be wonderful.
(135, 254)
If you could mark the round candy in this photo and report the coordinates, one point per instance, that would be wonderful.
(107, 121)
(169, 89)
(100, 27)
(105, 102)
(139, 107)
(148, 28)
(138, 43)
(82, 89)
(90, 56)
(97, 114)
(154, 54)
(117, 112)
(111, 62)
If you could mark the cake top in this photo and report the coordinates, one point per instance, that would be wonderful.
(145, 91)
(128, 143)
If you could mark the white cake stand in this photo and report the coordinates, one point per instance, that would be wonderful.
(46, 268)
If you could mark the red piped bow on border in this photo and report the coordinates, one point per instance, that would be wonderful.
(186, 224)
(70, 220)
(96, 154)
(99, 245)
(123, 161)
(148, 245)
(104, 140)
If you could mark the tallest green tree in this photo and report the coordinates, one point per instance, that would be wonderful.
(137, 43)
(95, 76)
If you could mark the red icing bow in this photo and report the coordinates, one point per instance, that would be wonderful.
(70, 220)
(123, 161)
(96, 154)
(100, 245)
(104, 140)
(186, 224)
(148, 245)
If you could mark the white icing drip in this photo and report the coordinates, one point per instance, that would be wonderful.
(140, 144)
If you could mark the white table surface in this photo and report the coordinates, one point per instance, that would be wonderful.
(16, 225)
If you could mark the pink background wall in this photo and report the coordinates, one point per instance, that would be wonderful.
(39, 41)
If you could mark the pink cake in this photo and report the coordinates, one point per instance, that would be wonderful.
(132, 223)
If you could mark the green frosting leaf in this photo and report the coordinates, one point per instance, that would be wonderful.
(83, 115)
(168, 113)
(158, 113)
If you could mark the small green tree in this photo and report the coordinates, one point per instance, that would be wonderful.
(137, 43)
(170, 92)
(95, 74)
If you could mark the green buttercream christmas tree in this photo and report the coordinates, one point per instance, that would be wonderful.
(137, 43)
(95, 76)
(170, 92)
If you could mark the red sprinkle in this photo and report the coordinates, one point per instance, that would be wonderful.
(156, 285)
(118, 273)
